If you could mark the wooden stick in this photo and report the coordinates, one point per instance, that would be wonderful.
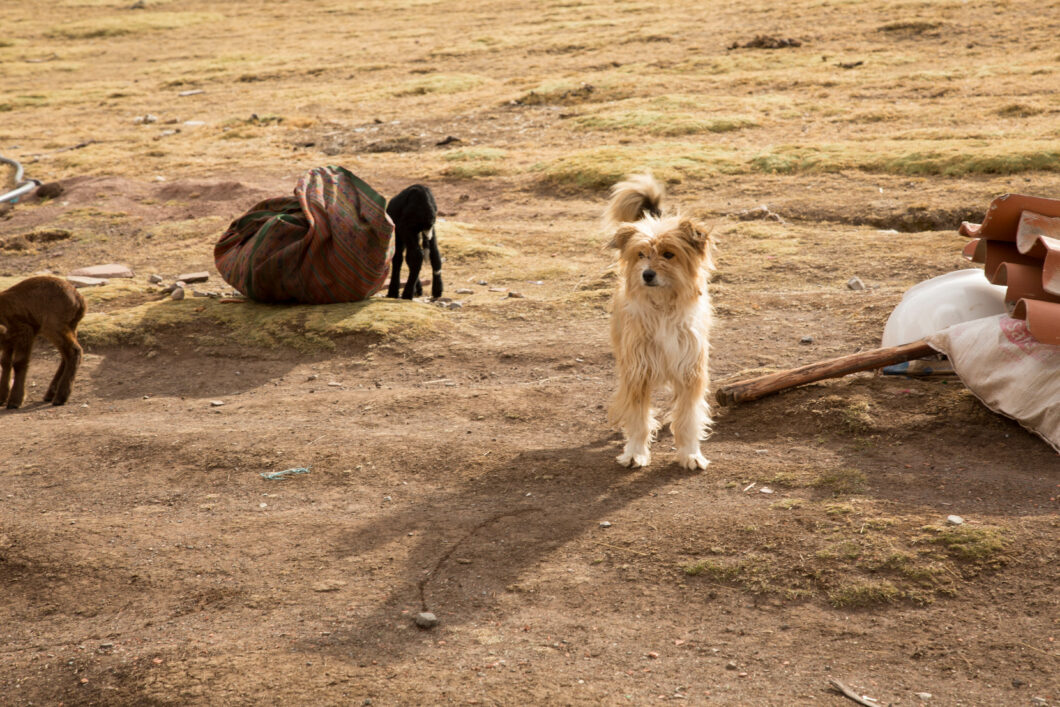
(756, 388)
(847, 692)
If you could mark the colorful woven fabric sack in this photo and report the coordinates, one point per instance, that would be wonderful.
(331, 242)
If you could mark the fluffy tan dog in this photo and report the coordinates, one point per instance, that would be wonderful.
(660, 321)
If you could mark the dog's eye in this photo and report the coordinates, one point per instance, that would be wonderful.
(668, 255)
(642, 254)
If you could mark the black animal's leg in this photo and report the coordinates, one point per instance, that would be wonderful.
(436, 266)
(414, 259)
(395, 268)
(5, 371)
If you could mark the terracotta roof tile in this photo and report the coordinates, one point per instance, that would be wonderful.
(1018, 244)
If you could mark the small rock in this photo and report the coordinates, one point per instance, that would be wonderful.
(855, 283)
(50, 190)
(199, 293)
(516, 295)
(465, 291)
(312, 377)
(141, 119)
(334, 384)
(731, 665)
(925, 696)
(605, 524)
(104, 647)
(216, 403)
(482, 283)
(109, 270)
(80, 282)
(154, 279)
(192, 92)
(426, 619)
(177, 293)
(194, 123)
(190, 277)
(328, 585)
(498, 289)
(1016, 682)
(1039, 702)
(806, 340)
(765, 489)
(456, 305)
(955, 520)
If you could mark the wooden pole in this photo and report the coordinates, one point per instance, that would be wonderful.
(756, 388)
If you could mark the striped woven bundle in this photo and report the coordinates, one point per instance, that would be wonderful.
(331, 242)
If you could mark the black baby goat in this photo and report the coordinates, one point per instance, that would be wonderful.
(413, 212)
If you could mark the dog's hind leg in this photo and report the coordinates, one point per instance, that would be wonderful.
(632, 411)
(436, 266)
(395, 268)
(689, 422)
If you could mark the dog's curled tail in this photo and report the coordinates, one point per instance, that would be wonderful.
(639, 195)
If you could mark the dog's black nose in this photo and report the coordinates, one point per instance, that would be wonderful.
(649, 276)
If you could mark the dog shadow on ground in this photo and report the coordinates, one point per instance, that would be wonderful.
(476, 541)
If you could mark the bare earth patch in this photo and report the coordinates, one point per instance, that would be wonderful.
(459, 459)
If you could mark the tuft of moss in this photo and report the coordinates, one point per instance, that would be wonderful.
(863, 594)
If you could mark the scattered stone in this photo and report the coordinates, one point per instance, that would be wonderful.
(456, 305)
(806, 340)
(482, 283)
(765, 489)
(731, 665)
(955, 520)
(192, 92)
(605, 524)
(925, 696)
(516, 295)
(200, 293)
(154, 279)
(216, 403)
(80, 282)
(855, 283)
(312, 377)
(141, 119)
(177, 293)
(328, 585)
(497, 289)
(465, 291)
(109, 270)
(194, 123)
(447, 141)
(103, 647)
(759, 213)
(334, 384)
(50, 190)
(1039, 702)
(1016, 682)
(426, 619)
(190, 277)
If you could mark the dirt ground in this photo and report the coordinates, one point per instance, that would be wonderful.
(460, 460)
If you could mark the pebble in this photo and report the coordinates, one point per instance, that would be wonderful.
(192, 92)
(108, 270)
(765, 489)
(334, 384)
(855, 283)
(154, 279)
(190, 277)
(955, 520)
(140, 119)
(426, 619)
(482, 283)
(731, 665)
(605, 524)
(1039, 702)
(455, 305)
(925, 696)
(498, 289)
(517, 295)
(200, 293)
(80, 282)
(465, 291)
(216, 403)
(806, 340)
(177, 293)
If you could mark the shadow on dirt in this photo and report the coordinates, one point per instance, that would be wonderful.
(509, 521)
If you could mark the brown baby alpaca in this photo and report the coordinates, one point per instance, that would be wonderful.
(40, 305)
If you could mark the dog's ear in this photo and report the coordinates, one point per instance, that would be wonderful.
(695, 233)
(621, 237)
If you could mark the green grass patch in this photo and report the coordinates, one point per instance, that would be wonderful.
(302, 327)
(841, 482)
(863, 594)
(131, 23)
(439, 83)
(981, 546)
(661, 123)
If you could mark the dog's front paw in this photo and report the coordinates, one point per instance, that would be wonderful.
(694, 461)
(632, 460)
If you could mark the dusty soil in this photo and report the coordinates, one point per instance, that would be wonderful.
(468, 469)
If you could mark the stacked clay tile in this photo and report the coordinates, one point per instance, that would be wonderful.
(1018, 244)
